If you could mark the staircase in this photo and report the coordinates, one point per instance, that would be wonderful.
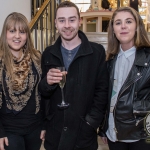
(101, 37)
(42, 25)
(43, 29)
(98, 37)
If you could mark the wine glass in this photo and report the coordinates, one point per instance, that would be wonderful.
(62, 82)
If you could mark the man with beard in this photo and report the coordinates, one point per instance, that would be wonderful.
(75, 126)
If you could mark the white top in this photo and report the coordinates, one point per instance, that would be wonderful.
(123, 66)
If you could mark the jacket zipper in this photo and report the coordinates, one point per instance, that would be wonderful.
(117, 101)
(140, 112)
(138, 121)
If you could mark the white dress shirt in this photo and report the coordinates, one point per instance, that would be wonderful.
(123, 66)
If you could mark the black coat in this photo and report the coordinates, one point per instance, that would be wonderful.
(133, 102)
(85, 90)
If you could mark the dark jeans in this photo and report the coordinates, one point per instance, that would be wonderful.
(47, 146)
(30, 141)
(139, 145)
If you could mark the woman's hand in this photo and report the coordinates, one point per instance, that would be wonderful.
(104, 139)
(42, 136)
(3, 141)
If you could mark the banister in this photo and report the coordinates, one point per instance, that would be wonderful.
(38, 14)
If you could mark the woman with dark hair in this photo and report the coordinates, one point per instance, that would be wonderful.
(20, 73)
(128, 58)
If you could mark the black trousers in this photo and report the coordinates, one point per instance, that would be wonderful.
(139, 145)
(26, 141)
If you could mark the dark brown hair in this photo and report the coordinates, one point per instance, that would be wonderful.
(67, 4)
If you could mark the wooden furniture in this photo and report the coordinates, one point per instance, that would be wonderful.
(98, 17)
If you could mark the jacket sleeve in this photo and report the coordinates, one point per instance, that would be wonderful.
(45, 89)
(2, 131)
(101, 131)
(96, 115)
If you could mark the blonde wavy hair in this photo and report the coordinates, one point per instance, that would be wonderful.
(140, 38)
(12, 20)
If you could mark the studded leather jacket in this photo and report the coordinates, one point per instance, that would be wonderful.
(133, 102)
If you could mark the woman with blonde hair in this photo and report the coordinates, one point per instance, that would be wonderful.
(128, 58)
(20, 73)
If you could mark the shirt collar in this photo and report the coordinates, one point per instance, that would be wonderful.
(128, 52)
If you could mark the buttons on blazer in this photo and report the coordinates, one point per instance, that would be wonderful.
(138, 74)
(146, 64)
(65, 128)
(111, 109)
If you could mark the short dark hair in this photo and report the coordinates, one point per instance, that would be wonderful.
(67, 4)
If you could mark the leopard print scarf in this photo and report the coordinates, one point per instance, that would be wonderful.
(19, 91)
(21, 68)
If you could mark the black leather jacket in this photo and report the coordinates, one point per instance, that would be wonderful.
(133, 101)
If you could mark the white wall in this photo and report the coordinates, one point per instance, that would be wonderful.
(8, 6)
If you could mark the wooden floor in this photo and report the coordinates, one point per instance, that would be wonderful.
(100, 147)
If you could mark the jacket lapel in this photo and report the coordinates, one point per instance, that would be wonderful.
(56, 51)
(111, 69)
(135, 73)
(85, 48)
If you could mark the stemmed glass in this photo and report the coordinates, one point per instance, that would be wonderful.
(62, 82)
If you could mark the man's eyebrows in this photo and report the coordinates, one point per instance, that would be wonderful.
(61, 18)
(73, 17)
(68, 18)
